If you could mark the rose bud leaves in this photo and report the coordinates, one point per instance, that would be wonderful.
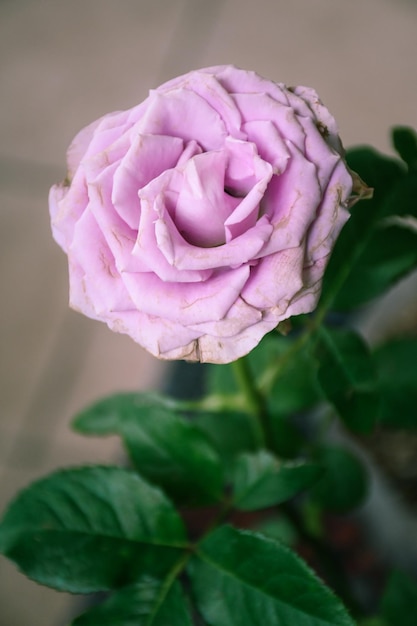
(199, 220)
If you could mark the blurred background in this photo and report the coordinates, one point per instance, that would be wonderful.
(62, 65)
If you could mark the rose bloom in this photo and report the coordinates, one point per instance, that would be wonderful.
(200, 219)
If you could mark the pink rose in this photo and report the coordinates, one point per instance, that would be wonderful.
(200, 219)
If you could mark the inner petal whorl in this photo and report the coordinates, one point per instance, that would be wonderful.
(203, 206)
(220, 194)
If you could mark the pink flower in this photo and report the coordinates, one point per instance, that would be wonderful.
(200, 219)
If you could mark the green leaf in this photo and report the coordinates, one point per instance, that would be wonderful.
(391, 254)
(286, 440)
(391, 251)
(382, 250)
(230, 432)
(378, 170)
(106, 415)
(91, 529)
(246, 578)
(347, 376)
(404, 139)
(399, 603)
(280, 528)
(401, 200)
(261, 480)
(166, 449)
(345, 483)
(149, 602)
(382, 174)
(396, 364)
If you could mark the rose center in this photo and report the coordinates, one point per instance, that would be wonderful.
(234, 193)
(220, 195)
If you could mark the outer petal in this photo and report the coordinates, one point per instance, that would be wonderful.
(291, 202)
(67, 204)
(184, 114)
(102, 289)
(161, 337)
(146, 158)
(321, 114)
(208, 86)
(211, 349)
(120, 238)
(187, 303)
(261, 107)
(275, 280)
(332, 215)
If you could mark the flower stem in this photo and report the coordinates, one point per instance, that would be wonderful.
(255, 402)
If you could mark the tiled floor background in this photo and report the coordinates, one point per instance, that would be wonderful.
(62, 64)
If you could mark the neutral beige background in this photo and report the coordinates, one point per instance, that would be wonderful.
(62, 64)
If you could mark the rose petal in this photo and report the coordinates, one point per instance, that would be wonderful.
(145, 159)
(149, 250)
(187, 303)
(247, 173)
(67, 206)
(261, 107)
(235, 81)
(319, 152)
(207, 86)
(322, 115)
(102, 287)
(271, 147)
(157, 335)
(202, 206)
(182, 113)
(275, 280)
(158, 204)
(232, 254)
(239, 317)
(291, 202)
(332, 215)
(212, 349)
(119, 237)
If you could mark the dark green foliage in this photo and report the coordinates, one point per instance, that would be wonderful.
(404, 139)
(91, 529)
(149, 602)
(246, 578)
(347, 376)
(399, 603)
(167, 449)
(356, 248)
(261, 480)
(344, 484)
(124, 531)
(396, 365)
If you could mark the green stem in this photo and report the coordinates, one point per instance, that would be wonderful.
(255, 402)
(169, 581)
(272, 374)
